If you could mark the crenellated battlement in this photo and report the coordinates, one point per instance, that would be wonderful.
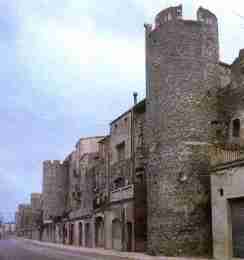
(55, 176)
(175, 14)
(205, 16)
(36, 195)
(169, 14)
(53, 162)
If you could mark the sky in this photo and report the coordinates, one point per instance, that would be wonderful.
(68, 68)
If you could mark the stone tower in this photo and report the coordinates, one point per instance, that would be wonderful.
(182, 82)
(54, 189)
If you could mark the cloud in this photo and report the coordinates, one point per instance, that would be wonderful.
(86, 51)
(79, 65)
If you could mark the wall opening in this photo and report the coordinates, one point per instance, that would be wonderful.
(236, 124)
(129, 236)
(237, 219)
(99, 232)
(80, 234)
(87, 235)
(71, 234)
(120, 151)
(117, 234)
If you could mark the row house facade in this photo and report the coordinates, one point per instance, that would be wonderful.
(28, 218)
(96, 197)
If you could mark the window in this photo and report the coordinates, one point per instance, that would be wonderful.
(218, 133)
(120, 151)
(115, 128)
(119, 182)
(139, 178)
(236, 127)
(75, 174)
(178, 12)
(77, 187)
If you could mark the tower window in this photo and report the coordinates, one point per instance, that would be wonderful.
(178, 12)
(236, 127)
(221, 192)
(120, 151)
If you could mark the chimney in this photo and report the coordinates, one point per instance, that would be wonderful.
(135, 94)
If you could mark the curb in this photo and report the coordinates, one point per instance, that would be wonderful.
(106, 253)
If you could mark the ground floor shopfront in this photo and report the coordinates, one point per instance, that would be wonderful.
(113, 228)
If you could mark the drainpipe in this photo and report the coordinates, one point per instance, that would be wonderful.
(133, 168)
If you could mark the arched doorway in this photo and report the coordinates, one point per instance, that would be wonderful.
(64, 232)
(129, 236)
(71, 238)
(117, 234)
(99, 232)
(87, 235)
(80, 234)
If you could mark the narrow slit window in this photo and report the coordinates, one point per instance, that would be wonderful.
(120, 151)
(236, 127)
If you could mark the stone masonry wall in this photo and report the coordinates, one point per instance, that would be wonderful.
(120, 131)
(55, 187)
(36, 208)
(182, 82)
(139, 118)
(86, 149)
(140, 188)
(231, 102)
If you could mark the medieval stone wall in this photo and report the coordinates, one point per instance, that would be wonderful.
(86, 184)
(36, 203)
(55, 187)
(36, 208)
(139, 148)
(182, 83)
(74, 181)
(231, 103)
(224, 74)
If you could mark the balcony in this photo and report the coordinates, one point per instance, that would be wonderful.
(225, 153)
(124, 193)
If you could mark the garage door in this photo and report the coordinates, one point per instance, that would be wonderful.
(237, 215)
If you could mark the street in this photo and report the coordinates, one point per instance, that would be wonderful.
(12, 249)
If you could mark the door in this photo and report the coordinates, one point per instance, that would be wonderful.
(99, 232)
(87, 235)
(80, 234)
(71, 234)
(117, 234)
(237, 218)
(129, 237)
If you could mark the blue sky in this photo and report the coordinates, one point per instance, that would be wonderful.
(68, 67)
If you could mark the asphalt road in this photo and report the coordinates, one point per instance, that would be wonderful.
(19, 250)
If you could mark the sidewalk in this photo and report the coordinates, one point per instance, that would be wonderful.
(108, 253)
